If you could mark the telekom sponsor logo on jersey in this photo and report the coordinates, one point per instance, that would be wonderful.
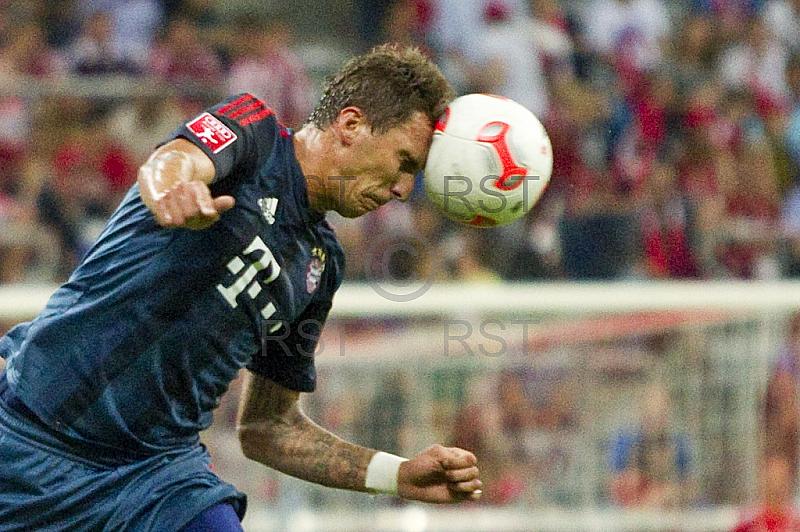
(211, 132)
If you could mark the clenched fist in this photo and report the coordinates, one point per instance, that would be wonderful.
(440, 475)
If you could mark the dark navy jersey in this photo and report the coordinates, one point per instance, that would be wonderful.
(135, 350)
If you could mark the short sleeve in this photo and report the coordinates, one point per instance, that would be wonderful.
(238, 133)
(288, 356)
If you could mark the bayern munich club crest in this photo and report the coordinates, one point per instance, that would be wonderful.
(315, 269)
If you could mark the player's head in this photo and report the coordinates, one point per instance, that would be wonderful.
(389, 84)
(377, 118)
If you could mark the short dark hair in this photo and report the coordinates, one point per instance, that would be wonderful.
(389, 84)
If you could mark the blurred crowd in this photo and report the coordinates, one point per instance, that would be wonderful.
(87, 90)
(675, 126)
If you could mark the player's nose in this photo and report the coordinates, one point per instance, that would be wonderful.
(403, 187)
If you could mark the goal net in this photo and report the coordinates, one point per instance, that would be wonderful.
(553, 385)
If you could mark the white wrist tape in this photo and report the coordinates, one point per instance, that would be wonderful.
(382, 473)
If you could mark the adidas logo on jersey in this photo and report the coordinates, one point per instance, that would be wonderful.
(268, 207)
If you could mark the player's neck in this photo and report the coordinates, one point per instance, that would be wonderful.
(313, 154)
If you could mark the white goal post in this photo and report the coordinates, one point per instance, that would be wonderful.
(24, 301)
(564, 297)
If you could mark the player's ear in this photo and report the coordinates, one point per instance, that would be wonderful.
(350, 123)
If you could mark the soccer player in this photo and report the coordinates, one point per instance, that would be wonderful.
(219, 258)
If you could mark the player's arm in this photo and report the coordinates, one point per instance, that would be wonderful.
(273, 430)
(173, 184)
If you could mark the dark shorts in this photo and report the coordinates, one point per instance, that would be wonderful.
(46, 486)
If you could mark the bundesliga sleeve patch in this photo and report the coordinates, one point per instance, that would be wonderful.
(211, 132)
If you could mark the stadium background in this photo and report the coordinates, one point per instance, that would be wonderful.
(656, 279)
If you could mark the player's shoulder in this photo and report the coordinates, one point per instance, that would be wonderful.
(233, 122)
(244, 109)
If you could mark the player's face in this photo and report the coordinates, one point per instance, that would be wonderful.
(382, 167)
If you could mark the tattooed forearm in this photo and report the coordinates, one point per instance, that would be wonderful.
(274, 431)
(305, 450)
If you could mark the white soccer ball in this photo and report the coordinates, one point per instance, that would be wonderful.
(489, 162)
